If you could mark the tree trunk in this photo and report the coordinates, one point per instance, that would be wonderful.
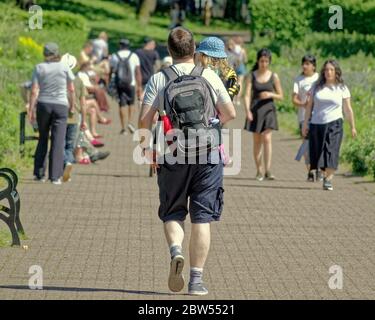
(147, 8)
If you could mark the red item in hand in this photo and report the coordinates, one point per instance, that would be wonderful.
(166, 122)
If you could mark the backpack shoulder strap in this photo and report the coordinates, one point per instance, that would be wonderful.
(121, 59)
(197, 71)
(118, 56)
(129, 56)
(170, 74)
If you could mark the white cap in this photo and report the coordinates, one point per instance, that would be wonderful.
(69, 60)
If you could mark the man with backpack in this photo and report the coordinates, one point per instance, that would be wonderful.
(194, 101)
(125, 68)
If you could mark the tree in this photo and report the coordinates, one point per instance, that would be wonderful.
(147, 8)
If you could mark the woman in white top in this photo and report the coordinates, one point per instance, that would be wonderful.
(330, 98)
(301, 88)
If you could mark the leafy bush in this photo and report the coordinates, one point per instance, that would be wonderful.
(285, 21)
(360, 153)
(339, 44)
(56, 19)
(358, 15)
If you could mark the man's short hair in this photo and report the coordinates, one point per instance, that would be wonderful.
(181, 43)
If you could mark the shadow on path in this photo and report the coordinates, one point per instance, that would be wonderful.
(269, 187)
(75, 289)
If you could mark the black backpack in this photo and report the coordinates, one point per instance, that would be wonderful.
(189, 103)
(123, 73)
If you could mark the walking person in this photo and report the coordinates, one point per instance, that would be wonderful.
(301, 87)
(201, 183)
(211, 54)
(54, 81)
(149, 60)
(263, 87)
(126, 68)
(330, 98)
(241, 71)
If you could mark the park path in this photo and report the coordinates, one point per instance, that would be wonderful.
(99, 236)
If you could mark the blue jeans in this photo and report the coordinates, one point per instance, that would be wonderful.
(70, 143)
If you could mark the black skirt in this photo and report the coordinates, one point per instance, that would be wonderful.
(264, 117)
(324, 142)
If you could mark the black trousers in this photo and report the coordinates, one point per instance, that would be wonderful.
(51, 118)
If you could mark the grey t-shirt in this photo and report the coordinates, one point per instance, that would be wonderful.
(53, 78)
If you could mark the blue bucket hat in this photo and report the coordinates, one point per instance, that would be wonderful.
(213, 47)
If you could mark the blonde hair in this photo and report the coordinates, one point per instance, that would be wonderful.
(217, 64)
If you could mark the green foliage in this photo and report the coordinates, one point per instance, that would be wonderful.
(360, 153)
(339, 44)
(20, 50)
(284, 21)
(358, 15)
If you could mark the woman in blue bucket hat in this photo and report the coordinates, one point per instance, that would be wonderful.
(211, 54)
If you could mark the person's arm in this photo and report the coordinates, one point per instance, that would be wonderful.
(279, 95)
(297, 101)
(138, 79)
(227, 112)
(308, 111)
(348, 111)
(247, 99)
(33, 100)
(71, 93)
(146, 119)
(83, 112)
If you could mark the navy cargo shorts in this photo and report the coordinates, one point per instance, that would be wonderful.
(201, 183)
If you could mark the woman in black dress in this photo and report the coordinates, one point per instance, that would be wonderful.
(262, 88)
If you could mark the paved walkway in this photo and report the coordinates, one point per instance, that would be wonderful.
(99, 236)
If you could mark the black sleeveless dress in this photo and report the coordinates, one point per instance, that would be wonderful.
(264, 111)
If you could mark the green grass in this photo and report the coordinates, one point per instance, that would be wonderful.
(119, 20)
(5, 238)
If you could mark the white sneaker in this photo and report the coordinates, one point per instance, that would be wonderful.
(56, 182)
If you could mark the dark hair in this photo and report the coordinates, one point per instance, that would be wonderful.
(322, 78)
(181, 43)
(52, 58)
(264, 52)
(309, 58)
(124, 44)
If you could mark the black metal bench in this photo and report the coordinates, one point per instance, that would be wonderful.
(23, 137)
(11, 215)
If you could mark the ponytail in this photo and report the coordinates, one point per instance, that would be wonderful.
(255, 66)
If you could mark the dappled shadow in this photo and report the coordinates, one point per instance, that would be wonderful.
(114, 38)
(87, 11)
(75, 289)
(110, 175)
(258, 186)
